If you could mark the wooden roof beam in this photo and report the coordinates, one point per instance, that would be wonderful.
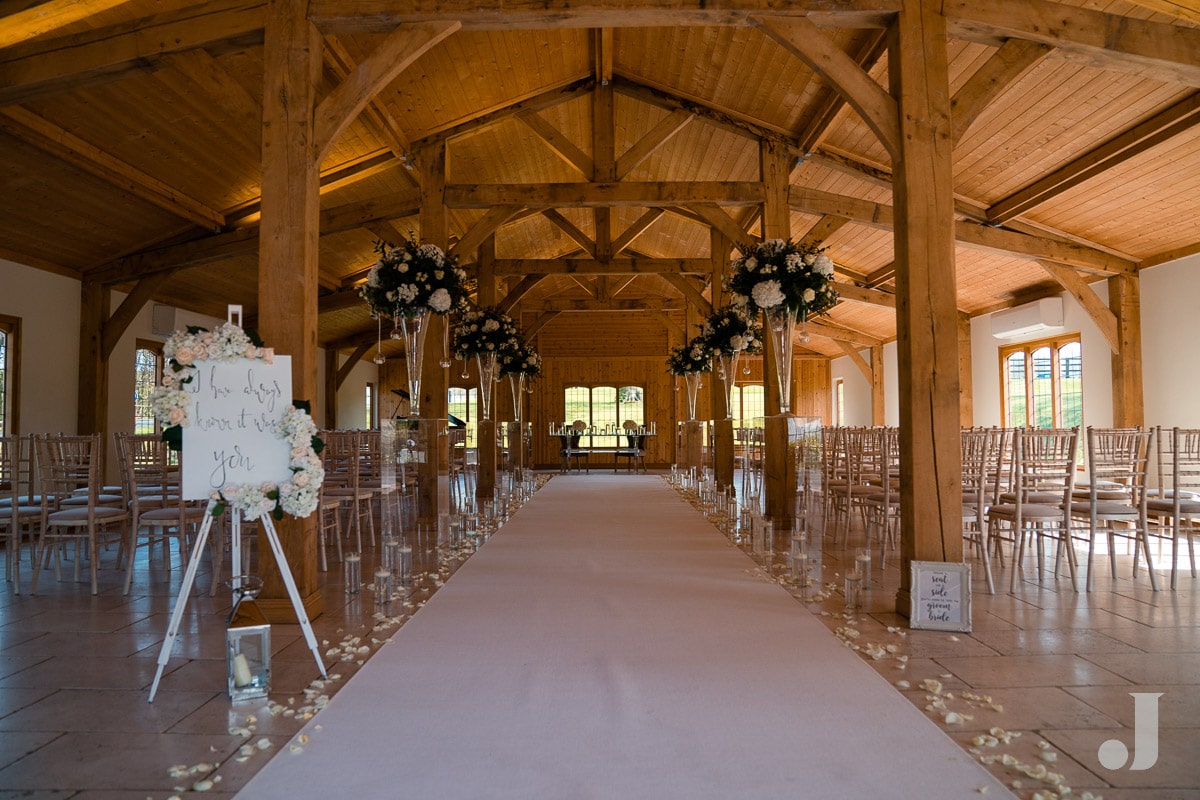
(492, 116)
(1007, 65)
(636, 229)
(830, 101)
(717, 218)
(616, 266)
(724, 118)
(481, 230)
(655, 138)
(689, 290)
(566, 150)
(611, 304)
(516, 293)
(860, 294)
(1096, 308)
(48, 17)
(376, 115)
(593, 195)
(566, 226)
(840, 334)
(1165, 52)
(45, 66)
(1170, 122)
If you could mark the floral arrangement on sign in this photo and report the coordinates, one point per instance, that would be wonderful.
(170, 402)
(410, 278)
(781, 274)
(483, 331)
(520, 360)
(695, 356)
(732, 330)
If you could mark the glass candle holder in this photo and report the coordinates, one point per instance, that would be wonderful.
(352, 568)
(404, 565)
(862, 560)
(854, 582)
(383, 586)
(800, 568)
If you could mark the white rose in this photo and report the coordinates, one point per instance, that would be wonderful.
(824, 265)
(439, 301)
(752, 263)
(809, 295)
(767, 294)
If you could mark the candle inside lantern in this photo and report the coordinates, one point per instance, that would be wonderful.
(241, 670)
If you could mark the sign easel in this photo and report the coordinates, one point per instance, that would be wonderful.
(231, 440)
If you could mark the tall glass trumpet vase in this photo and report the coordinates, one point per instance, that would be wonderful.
(516, 382)
(487, 382)
(780, 327)
(414, 329)
(727, 369)
(693, 389)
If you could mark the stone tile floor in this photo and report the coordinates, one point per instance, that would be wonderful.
(1046, 673)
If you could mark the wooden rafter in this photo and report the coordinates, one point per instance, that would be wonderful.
(376, 115)
(485, 227)
(859, 294)
(55, 64)
(118, 323)
(725, 118)
(492, 116)
(1100, 313)
(719, 219)
(1165, 52)
(566, 226)
(516, 293)
(655, 138)
(616, 266)
(339, 300)
(671, 324)
(611, 304)
(593, 195)
(856, 357)
(360, 350)
(841, 334)
(1162, 126)
(567, 151)
(1014, 58)
(636, 229)
(830, 102)
(544, 319)
(70, 148)
(689, 290)
(826, 226)
(48, 17)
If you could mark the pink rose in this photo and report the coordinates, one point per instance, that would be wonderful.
(185, 355)
(176, 416)
(251, 351)
(268, 355)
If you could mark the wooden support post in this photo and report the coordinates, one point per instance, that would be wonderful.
(433, 493)
(966, 380)
(92, 414)
(692, 432)
(1124, 298)
(331, 387)
(722, 444)
(288, 251)
(485, 433)
(926, 315)
(779, 463)
(878, 409)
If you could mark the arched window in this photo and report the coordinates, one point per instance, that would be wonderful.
(147, 374)
(747, 404)
(1042, 383)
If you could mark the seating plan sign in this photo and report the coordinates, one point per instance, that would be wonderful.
(232, 435)
(941, 596)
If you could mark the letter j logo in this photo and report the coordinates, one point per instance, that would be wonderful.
(1113, 753)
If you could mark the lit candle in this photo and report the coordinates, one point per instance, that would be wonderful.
(241, 670)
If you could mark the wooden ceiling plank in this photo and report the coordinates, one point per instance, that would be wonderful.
(671, 324)
(804, 40)
(1096, 308)
(655, 138)
(1162, 126)
(70, 148)
(391, 57)
(689, 290)
(830, 102)
(1014, 59)
(825, 227)
(544, 319)
(340, 300)
(723, 117)
(1166, 52)
(592, 195)
(67, 63)
(1183, 9)
(620, 286)
(376, 115)
(616, 266)
(562, 147)
(569, 228)
(636, 229)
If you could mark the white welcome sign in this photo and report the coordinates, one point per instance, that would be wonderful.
(230, 437)
(941, 596)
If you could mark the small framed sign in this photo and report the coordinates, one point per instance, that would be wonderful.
(941, 596)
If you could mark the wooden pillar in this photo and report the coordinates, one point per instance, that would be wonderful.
(92, 414)
(966, 379)
(331, 388)
(722, 444)
(433, 493)
(926, 313)
(486, 430)
(878, 409)
(287, 271)
(779, 468)
(1124, 298)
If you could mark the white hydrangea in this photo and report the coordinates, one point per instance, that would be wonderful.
(767, 294)
(439, 301)
(824, 265)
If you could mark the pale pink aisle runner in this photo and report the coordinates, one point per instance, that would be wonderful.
(610, 643)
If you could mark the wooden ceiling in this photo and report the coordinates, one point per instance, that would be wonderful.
(130, 138)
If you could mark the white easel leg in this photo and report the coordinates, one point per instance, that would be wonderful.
(286, 573)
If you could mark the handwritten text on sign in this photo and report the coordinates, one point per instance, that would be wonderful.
(941, 596)
(230, 437)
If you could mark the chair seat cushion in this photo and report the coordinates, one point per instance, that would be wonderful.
(1186, 507)
(1029, 511)
(79, 515)
(1105, 508)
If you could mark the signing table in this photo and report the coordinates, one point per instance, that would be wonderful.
(609, 643)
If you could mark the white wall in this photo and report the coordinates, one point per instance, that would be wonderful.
(857, 391)
(1170, 334)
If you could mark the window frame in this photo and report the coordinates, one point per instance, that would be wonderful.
(1055, 344)
(621, 412)
(740, 390)
(155, 347)
(10, 400)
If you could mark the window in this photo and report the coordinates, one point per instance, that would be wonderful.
(747, 405)
(147, 374)
(10, 331)
(604, 406)
(462, 404)
(369, 398)
(839, 402)
(1042, 383)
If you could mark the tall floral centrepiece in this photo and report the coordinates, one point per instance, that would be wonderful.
(729, 332)
(519, 365)
(407, 284)
(691, 361)
(485, 333)
(786, 281)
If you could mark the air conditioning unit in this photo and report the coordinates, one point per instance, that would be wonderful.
(1043, 316)
(162, 320)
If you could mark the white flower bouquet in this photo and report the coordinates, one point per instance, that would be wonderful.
(411, 278)
(780, 274)
(695, 356)
(732, 330)
(484, 331)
